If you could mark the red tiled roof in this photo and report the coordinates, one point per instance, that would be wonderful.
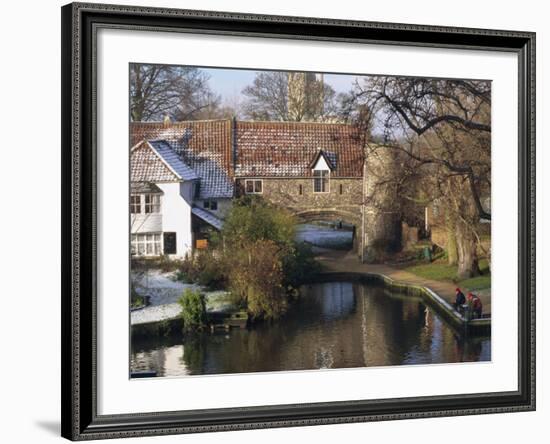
(146, 166)
(262, 149)
(206, 146)
(287, 149)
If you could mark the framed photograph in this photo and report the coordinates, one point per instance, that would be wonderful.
(280, 221)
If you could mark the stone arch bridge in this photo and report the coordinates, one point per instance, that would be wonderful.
(349, 216)
(375, 233)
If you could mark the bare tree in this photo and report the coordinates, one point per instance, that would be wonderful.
(267, 97)
(444, 126)
(180, 92)
(289, 96)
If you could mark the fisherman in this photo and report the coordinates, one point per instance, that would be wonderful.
(460, 299)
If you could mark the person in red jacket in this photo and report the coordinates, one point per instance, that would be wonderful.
(475, 305)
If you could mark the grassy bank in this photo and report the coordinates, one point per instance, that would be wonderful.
(440, 270)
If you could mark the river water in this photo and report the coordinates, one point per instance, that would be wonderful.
(333, 325)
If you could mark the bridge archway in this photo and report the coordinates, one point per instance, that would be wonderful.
(334, 215)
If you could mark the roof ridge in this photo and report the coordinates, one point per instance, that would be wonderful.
(238, 121)
(287, 122)
(180, 122)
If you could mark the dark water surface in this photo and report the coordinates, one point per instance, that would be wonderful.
(334, 325)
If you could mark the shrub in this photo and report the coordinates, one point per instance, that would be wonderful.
(136, 300)
(193, 309)
(299, 265)
(256, 279)
(252, 219)
(263, 263)
(204, 269)
(163, 263)
(209, 271)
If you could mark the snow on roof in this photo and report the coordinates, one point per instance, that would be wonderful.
(165, 151)
(206, 146)
(146, 165)
(220, 150)
(207, 217)
(288, 149)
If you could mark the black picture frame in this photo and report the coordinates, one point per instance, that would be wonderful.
(79, 172)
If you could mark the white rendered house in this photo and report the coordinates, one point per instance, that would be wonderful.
(161, 200)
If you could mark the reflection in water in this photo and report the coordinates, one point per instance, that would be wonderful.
(333, 325)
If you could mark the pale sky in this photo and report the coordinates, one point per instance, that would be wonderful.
(229, 83)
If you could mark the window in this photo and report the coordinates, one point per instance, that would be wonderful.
(253, 186)
(320, 181)
(210, 204)
(146, 244)
(135, 204)
(300, 189)
(144, 203)
(152, 203)
(341, 189)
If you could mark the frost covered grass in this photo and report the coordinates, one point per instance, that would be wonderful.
(164, 291)
(161, 287)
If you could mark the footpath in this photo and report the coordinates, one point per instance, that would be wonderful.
(338, 261)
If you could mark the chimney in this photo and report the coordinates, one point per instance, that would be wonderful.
(167, 120)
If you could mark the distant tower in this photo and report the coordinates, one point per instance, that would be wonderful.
(321, 94)
(305, 96)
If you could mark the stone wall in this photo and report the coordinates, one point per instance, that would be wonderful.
(383, 231)
(377, 224)
(297, 195)
(342, 201)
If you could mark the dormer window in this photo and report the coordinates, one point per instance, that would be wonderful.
(321, 173)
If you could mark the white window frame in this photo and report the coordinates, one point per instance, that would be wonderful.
(154, 204)
(254, 182)
(327, 190)
(154, 242)
(135, 205)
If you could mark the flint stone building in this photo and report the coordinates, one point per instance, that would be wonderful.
(318, 171)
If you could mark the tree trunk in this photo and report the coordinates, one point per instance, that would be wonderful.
(452, 251)
(468, 265)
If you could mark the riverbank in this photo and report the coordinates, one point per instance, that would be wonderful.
(162, 316)
(336, 261)
(440, 295)
(431, 298)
